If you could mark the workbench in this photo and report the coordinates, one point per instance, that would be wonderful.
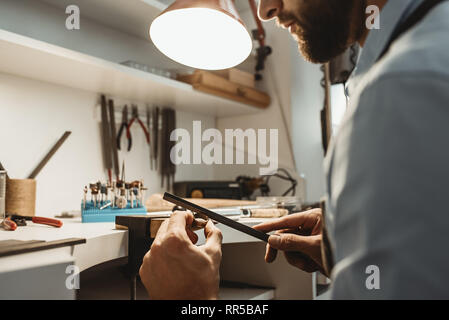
(43, 274)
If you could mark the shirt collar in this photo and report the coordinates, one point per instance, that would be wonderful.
(392, 14)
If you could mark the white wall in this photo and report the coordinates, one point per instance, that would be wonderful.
(41, 21)
(307, 98)
(33, 115)
(277, 83)
(294, 86)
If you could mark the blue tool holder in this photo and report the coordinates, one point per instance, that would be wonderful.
(94, 214)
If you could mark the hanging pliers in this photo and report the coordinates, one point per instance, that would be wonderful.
(124, 126)
(135, 116)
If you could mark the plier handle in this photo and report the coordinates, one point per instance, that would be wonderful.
(21, 220)
(124, 125)
(135, 116)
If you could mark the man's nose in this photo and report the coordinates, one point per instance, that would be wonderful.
(269, 9)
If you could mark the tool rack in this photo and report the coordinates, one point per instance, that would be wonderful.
(113, 199)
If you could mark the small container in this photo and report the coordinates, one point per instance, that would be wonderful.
(21, 197)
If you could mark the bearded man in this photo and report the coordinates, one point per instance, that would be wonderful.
(387, 169)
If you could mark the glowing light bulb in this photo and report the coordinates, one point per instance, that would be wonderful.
(201, 38)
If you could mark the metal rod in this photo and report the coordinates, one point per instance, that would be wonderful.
(113, 139)
(217, 217)
(49, 155)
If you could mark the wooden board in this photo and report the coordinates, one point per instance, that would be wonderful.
(213, 84)
(237, 76)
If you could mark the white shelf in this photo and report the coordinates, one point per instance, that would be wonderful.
(30, 58)
(134, 17)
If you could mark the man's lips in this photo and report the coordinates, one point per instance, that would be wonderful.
(293, 27)
(290, 26)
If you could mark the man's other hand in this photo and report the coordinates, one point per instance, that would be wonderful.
(299, 236)
(175, 268)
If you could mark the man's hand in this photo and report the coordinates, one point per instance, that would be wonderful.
(299, 236)
(175, 268)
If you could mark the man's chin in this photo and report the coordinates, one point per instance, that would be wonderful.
(309, 56)
(317, 56)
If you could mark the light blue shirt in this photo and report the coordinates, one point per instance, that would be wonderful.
(388, 167)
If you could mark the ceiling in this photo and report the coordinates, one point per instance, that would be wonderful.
(241, 5)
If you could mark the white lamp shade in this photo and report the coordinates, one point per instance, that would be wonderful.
(201, 38)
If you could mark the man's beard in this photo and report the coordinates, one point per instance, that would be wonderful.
(324, 30)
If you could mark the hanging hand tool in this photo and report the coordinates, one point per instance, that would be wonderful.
(113, 140)
(171, 126)
(167, 168)
(135, 116)
(20, 220)
(106, 138)
(124, 126)
(154, 137)
(150, 130)
(162, 145)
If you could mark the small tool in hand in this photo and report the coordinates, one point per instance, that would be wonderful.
(215, 216)
(198, 223)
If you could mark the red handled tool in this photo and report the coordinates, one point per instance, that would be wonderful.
(124, 126)
(8, 224)
(135, 116)
(20, 220)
